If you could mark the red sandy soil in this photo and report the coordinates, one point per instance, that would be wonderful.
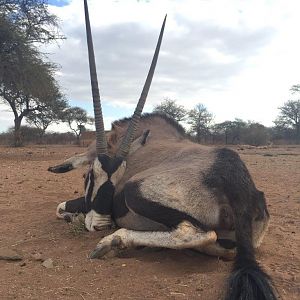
(28, 199)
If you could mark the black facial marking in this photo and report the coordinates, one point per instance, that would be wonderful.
(61, 168)
(119, 206)
(167, 216)
(88, 199)
(76, 205)
(103, 202)
(109, 165)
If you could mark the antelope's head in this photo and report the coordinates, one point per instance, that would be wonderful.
(106, 171)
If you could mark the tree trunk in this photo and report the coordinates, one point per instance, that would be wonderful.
(41, 136)
(298, 133)
(17, 132)
(78, 139)
(198, 135)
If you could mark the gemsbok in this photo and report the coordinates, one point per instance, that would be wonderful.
(163, 190)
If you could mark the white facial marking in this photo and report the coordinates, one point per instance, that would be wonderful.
(78, 160)
(118, 174)
(60, 207)
(100, 177)
(94, 221)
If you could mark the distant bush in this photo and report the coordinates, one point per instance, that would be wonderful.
(31, 135)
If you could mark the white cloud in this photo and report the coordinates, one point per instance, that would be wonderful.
(239, 58)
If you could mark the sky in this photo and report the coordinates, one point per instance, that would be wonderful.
(238, 58)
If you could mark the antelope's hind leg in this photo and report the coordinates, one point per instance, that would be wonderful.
(184, 236)
(215, 249)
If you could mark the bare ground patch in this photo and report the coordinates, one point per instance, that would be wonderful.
(28, 198)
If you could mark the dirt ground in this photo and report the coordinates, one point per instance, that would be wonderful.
(28, 198)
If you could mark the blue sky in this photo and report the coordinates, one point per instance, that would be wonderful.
(58, 3)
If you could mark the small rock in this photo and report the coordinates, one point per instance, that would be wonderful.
(123, 265)
(22, 264)
(37, 257)
(8, 254)
(48, 263)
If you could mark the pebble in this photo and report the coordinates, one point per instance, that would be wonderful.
(48, 263)
(37, 257)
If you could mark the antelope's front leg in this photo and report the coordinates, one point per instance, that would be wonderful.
(184, 236)
(68, 209)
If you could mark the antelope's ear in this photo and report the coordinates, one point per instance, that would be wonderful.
(144, 137)
(112, 140)
(140, 141)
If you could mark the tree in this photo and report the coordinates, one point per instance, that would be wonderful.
(170, 108)
(255, 134)
(199, 119)
(32, 19)
(289, 117)
(77, 120)
(26, 80)
(51, 112)
(233, 130)
(295, 88)
(223, 128)
(33, 89)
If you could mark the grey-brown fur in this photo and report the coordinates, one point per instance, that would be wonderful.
(178, 194)
(172, 170)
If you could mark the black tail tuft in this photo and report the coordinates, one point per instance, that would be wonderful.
(250, 282)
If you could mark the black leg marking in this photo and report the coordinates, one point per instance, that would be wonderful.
(167, 216)
(76, 206)
(227, 244)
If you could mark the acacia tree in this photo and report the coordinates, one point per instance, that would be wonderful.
(235, 130)
(51, 112)
(32, 19)
(199, 119)
(28, 88)
(26, 80)
(289, 117)
(77, 119)
(170, 108)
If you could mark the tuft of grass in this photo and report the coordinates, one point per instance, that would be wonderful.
(77, 226)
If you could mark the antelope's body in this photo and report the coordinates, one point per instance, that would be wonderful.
(176, 194)
(163, 190)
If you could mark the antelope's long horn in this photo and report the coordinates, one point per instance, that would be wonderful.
(128, 138)
(101, 144)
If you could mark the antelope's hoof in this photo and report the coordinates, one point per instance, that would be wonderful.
(106, 246)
